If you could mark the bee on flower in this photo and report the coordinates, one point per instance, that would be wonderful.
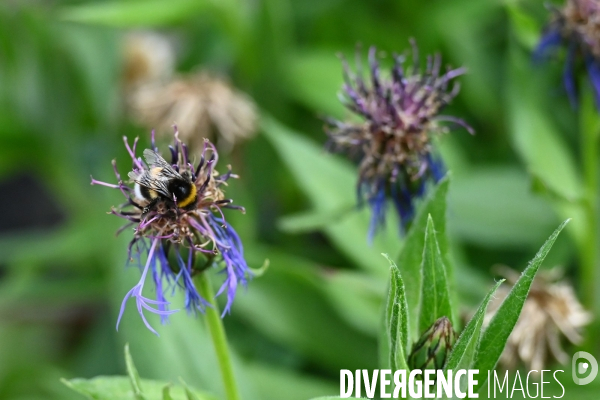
(399, 113)
(176, 210)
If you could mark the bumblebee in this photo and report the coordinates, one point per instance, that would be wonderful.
(161, 182)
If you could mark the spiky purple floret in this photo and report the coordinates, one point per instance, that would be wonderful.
(181, 233)
(392, 145)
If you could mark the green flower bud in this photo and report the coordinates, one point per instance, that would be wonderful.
(434, 346)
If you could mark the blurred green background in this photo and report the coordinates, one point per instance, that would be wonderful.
(316, 310)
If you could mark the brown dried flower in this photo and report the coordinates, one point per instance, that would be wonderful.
(550, 311)
(202, 105)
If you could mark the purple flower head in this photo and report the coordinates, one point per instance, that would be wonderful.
(176, 238)
(576, 26)
(399, 112)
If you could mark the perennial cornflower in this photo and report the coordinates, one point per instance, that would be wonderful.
(392, 143)
(577, 27)
(179, 241)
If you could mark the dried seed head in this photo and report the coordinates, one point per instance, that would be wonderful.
(148, 58)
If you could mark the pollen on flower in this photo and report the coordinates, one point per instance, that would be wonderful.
(399, 113)
(177, 241)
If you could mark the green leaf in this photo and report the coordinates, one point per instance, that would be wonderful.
(409, 261)
(166, 392)
(527, 29)
(357, 297)
(274, 382)
(533, 133)
(290, 307)
(502, 197)
(310, 221)
(119, 388)
(330, 184)
(134, 377)
(464, 351)
(315, 79)
(134, 13)
(435, 295)
(189, 395)
(396, 319)
(495, 336)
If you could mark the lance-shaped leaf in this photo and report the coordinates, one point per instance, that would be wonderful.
(411, 255)
(435, 295)
(396, 319)
(495, 336)
(464, 351)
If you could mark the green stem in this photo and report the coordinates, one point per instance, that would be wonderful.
(217, 334)
(590, 256)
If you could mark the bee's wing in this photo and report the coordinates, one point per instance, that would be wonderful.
(153, 159)
(158, 176)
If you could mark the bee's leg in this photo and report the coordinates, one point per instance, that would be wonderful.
(135, 204)
(146, 209)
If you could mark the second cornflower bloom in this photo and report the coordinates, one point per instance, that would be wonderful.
(392, 144)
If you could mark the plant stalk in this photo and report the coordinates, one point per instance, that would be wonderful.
(590, 256)
(218, 336)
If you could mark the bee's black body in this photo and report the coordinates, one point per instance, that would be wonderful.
(161, 182)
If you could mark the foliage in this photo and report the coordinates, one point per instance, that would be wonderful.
(328, 300)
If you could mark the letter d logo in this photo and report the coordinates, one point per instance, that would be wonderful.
(581, 367)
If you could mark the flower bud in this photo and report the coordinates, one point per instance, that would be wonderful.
(433, 347)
